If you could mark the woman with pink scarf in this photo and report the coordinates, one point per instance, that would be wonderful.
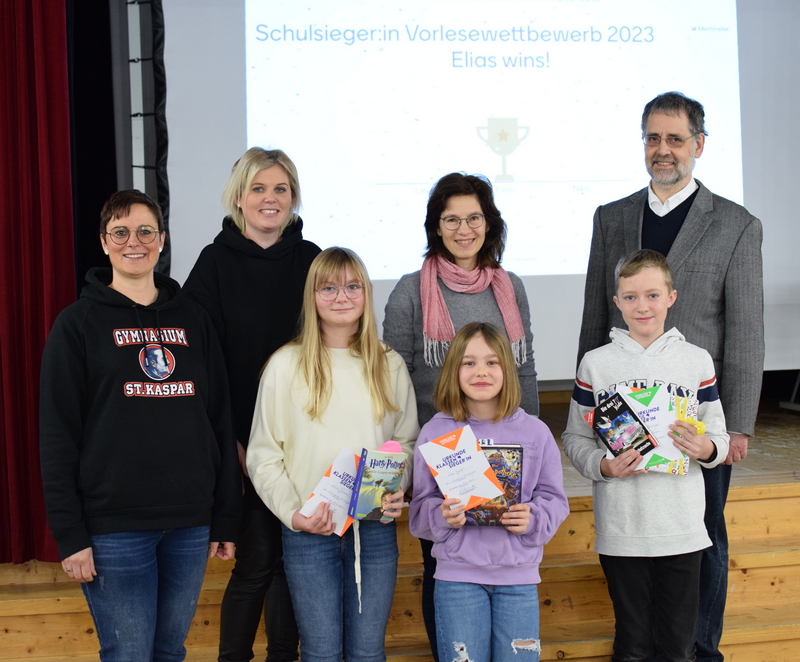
(461, 281)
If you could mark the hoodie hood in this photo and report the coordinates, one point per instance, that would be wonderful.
(663, 344)
(97, 290)
(231, 237)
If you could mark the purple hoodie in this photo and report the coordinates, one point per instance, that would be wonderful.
(490, 554)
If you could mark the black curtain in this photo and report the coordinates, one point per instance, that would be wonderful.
(94, 171)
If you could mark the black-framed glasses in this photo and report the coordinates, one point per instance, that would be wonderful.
(330, 292)
(653, 140)
(454, 222)
(146, 234)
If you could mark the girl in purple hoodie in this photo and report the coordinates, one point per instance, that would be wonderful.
(486, 599)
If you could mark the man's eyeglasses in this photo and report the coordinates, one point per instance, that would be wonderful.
(146, 235)
(454, 222)
(652, 140)
(330, 292)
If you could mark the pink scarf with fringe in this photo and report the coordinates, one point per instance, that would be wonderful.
(437, 327)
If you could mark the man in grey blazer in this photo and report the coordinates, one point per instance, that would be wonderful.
(713, 247)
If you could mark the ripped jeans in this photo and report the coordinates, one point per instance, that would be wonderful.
(483, 623)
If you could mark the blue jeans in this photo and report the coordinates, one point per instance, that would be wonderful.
(145, 593)
(490, 623)
(714, 569)
(321, 574)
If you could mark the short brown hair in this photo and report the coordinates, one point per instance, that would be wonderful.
(675, 103)
(632, 264)
(448, 396)
(120, 203)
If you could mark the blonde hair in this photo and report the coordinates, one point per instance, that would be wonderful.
(244, 171)
(448, 396)
(314, 365)
(632, 264)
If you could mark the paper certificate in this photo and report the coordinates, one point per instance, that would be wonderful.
(335, 488)
(460, 468)
(654, 406)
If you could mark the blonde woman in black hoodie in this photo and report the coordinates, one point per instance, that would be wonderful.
(137, 447)
(250, 280)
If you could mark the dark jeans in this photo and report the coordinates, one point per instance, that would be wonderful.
(258, 583)
(714, 570)
(428, 585)
(655, 606)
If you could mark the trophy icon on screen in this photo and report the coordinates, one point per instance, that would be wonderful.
(503, 135)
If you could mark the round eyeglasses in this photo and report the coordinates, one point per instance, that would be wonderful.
(330, 292)
(454, 222)
(145, 234)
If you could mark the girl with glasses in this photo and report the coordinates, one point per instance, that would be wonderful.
(336, 386)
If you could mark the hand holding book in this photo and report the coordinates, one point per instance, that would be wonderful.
(623, 465)
(453, 512)
(391, 506)
(687, 437)
(321, 522)
(517, 519)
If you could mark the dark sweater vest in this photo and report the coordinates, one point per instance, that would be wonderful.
(659, 232)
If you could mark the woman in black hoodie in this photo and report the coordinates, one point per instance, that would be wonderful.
(250, 280)
(137, 446)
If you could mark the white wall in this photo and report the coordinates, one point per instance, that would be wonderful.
(205, 61)
(769, 66)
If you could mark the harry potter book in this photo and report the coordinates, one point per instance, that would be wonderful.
(380, 473)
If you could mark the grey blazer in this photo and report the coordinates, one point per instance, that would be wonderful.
(716, 266)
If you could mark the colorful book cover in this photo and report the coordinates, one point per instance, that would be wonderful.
(657, 410)
(380, 474)
(460, 468)
(506, 462)
(619, 428)
(335, 488)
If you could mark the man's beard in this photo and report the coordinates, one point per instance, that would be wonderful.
(679, 172)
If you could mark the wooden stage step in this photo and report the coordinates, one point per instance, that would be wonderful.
(44, 618)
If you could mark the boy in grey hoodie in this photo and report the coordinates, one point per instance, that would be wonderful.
(650, 529)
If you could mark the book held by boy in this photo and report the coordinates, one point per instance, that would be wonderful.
(618, 426)
(460, 468)
(657, 409)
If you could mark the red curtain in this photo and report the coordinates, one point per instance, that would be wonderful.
(36, 251)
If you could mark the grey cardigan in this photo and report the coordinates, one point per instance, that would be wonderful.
(402, 331)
